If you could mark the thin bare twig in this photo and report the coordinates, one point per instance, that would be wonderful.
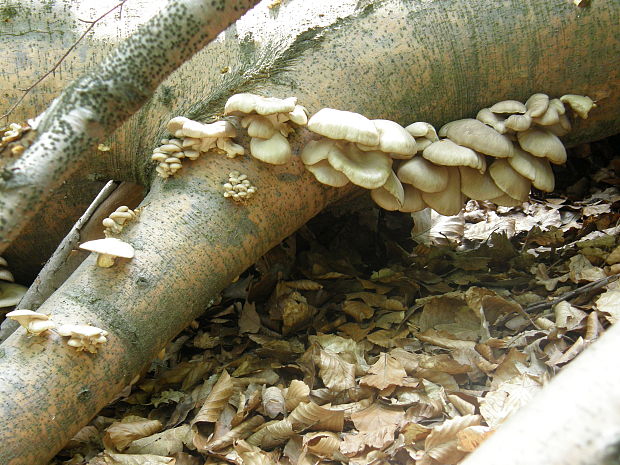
(92, 24)
(571, 294)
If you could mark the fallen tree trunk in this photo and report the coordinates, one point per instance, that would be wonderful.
(191, 242)
(574, 420)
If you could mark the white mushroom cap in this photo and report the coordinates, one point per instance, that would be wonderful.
(11, 294)
(316, 150)
(478, 136)
(201, 130)
(366, 169)
(542, 143)
(552, 114)
(83, 337)
(276, 150)
(561, 128)
(108, 249)
(176, 124)
(422, 129)
(6, 275)
(258, 126)
(494, 120)
(228, 146)
(393, 140)
(447, 153)
(251, 103)
(537, 170)
(299, 115)
(477, 185)
(509, 181)
(391, 195)
(508, 106)
(344, 125)
(580, 104)
(34, 322)
(537, 105)
(449, 201)
(423, 174)
(518, 122)
(413, 201)
(325, 174)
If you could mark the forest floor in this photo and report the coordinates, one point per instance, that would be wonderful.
(364, 338)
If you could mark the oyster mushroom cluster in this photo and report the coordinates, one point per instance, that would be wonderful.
(238, 187)
(114, 223)
(81, 337)
(497, 156)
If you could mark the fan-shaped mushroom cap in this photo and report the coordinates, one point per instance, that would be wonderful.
(552, 114)
(35, 323)
(537, 105)
(108, 249)
(240, 104)
(413, 201)
(509, 181)
(542, 143)
(533, 168)
(508, 106)
(176, 124)
(258, 126)
(422, 129)
(201, 130)
(325, 174)
(316, 150)
(518, 122)
(299, 115)
(423, 174)
(581, 104)
(276, 150)
(393, 140)
(391, 195)
(83, 337)
(477, 185)
(344, 125)
(478, 136)
(561, 128)
(494, 120)
(449, 201)
(366, 169)
(447, 153)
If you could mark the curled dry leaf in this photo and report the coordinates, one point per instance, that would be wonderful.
(241, 431)
(297, 392)
(273, 402)
(167, 442)
(131, 459)
(471, 437)
(387, 371)
(441, 444)
(609, 304)
(357, 310)
(336, 374)
(323, 444)
(308, 415)
(216, 400)
(273, 434)
(119, 435)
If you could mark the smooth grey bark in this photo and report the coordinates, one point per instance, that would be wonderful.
(100, 101)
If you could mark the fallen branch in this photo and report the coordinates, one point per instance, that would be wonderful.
(99, 102)
(574, 420)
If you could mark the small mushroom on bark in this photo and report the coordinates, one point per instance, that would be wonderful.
(109, 249)
(35, 323)
(580, 104)
(83, 337)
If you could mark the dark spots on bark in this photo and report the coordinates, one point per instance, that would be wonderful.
(84, 395)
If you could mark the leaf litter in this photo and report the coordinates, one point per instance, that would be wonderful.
(364, 339)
